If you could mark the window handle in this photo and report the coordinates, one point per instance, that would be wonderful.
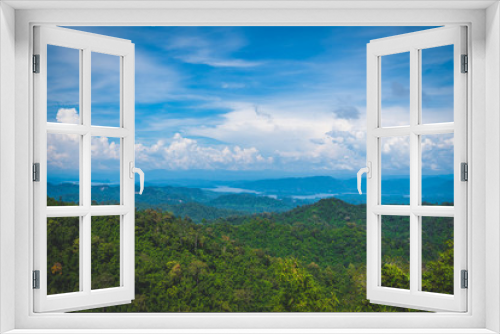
(139, 171)
(368, 171)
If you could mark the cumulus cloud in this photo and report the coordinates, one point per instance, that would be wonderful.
(63, 150)
(69, 115)
(395, 116)
(395, 155)
(186, 153)
(105, 148)
(297, 139)
(437, 154)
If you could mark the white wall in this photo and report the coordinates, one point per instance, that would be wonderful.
(7, 160)
(492, 166)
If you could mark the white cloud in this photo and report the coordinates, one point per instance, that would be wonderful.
(186, 153)
(215, 62)
(315, 139)
(155, 79)
(104, 148)
(438, 154)
(395, 116)
(395, 154)
(63, 150)
(207, 50)
(69, 115)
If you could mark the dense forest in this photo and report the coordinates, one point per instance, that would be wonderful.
(308, 259)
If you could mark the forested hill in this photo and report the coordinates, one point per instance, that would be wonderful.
(309, 259)
(329, 211)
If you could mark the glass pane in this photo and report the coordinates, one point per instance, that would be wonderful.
(63, 85)
(437, 169)
(63, 255)
(437, 254)
(63, 169)
(105, 90)
(395, 89)
(395, 170)
(105, 252)
(437, 84)
(396, 252)
(105, 171)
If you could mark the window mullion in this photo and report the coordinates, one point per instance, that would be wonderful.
(415, 258)
(86, 181)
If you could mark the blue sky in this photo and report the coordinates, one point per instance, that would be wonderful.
(273, 100)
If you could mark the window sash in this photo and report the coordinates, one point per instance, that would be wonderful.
(414, 298)
(85, 298)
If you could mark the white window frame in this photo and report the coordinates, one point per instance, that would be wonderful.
(86, 44)
(413, 44)
(483, 211)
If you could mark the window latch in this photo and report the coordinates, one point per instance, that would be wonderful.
(132, 171)
(368, 171)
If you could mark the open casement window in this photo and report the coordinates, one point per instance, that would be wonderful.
(410, 56)
(76, 133)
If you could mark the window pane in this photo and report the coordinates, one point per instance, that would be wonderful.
(437, 84)
(437, 169)
(395, 170)
(63, 85)
(105, 171)
(437, 254)
(396, 252)
(105, 90)
(63, 255)
(63, 169)
(105, 252)
(395, 94)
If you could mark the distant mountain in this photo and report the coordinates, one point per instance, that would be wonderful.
(298, 185)
(233, 198)
(68, 192)
(174, 195)
(252, 203)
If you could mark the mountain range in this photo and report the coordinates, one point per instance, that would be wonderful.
(206, 199)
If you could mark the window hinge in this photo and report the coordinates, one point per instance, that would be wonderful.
(36, 63)
(465, 64)
(465, 279)
(36, 172)
(464, 169)
(36, 279)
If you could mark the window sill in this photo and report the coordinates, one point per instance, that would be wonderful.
(250, 331)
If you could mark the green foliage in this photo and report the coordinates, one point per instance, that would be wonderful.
(309, 259)
(438, 274)
(63, 255)
(250, 203)
(105, 249)
(396, 274)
